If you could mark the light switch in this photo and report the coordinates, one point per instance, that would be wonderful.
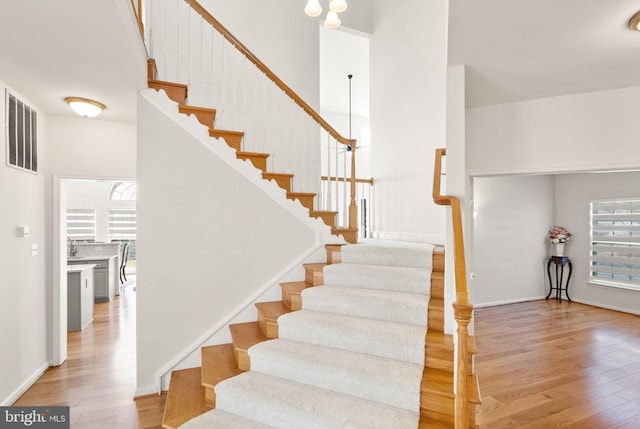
(34, 249)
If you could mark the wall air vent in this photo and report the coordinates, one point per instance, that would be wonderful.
(22, 149)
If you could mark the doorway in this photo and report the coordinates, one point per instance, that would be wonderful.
(97, 216)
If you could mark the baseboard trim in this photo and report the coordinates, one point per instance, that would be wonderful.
(606, 306)
(510, 301)
(409, 236)
(25, 385)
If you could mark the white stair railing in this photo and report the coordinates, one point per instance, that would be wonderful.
(191, 47)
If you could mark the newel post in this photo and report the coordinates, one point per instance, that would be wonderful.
(463, 313)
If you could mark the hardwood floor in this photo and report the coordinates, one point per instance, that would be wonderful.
(98, 379)
(541, 365)
(546, 364)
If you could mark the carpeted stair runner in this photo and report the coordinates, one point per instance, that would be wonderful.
(386, 381)
(353, 357)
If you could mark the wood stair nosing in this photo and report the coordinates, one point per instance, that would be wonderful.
(259, 160)
(436, 314)
(349, 234)
(314, 274)
(186, 398)
(175, 91)
(437, 285)
(328, 217)
(218, 364)
(233, 139)
(438, 259)
(268, 313)
(243, 336)
(282, 179)
(152, 69)
(292, 294)
(204, 115)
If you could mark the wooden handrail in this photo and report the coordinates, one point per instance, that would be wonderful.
(270, 74)
(463, 311)
(352, 143)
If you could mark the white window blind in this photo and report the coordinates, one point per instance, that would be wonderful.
(615, 242)
(81, 224)
(122, 224)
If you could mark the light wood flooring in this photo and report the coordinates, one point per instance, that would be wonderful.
(541, 365)
(545, 365)
(98, 378)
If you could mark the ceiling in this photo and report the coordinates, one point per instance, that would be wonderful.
(513, 50)
(49, 50)
(524, 49)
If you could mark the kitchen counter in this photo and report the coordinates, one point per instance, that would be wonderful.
(79, 267)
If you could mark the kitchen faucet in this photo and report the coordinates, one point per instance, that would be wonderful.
(72, 249)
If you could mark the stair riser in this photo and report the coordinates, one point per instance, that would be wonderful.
(204, 116)
(210, 396)
(269, 327)
(176, 93)
(329, 219)
(283, 182)
(293, 301)
(436, 318)
(334, 254)
(258, 162)
(437, 285)
(234, 141)
(306, 201)
(314, 276)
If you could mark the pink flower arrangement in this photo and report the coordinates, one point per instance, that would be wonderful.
(559, 234)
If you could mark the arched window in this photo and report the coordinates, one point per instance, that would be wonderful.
(123, 191)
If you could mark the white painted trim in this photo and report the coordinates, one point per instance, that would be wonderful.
(25, 386)
(511, 301)
(224, 322)
(605, 306)
(409, 236)
(567, 169)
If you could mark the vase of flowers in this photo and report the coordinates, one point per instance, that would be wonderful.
(558, 236)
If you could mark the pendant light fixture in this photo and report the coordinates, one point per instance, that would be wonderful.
(313, 9)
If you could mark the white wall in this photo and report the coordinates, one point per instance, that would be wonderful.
(408, 100)
(24, 310)
(92, 148)
(512, 218)
(209, 234)
(582, 132)
(572, 196)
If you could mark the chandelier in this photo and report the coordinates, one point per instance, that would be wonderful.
(314, 9)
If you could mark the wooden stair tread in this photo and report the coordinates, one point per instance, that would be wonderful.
(226, 133)
(175, 91)
(349, 234)
(246, 334)
(218, 364)
(473, 389)
(437, 381)
(254, 154)
(272, 310)
(186, 398)
(166, 83)
(294, 287)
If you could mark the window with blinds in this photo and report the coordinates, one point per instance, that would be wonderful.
(81, 224)
(615, 242)
(122, 224)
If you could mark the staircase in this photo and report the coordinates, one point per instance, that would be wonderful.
(206, 116)
(192, 392)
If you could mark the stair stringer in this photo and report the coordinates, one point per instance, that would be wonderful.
(153, 358)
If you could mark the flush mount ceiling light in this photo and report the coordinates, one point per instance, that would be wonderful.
(314, 9)
(85, 107)
(634, 22)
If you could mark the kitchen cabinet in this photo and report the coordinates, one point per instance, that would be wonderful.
(104, 275)
(79, 296)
